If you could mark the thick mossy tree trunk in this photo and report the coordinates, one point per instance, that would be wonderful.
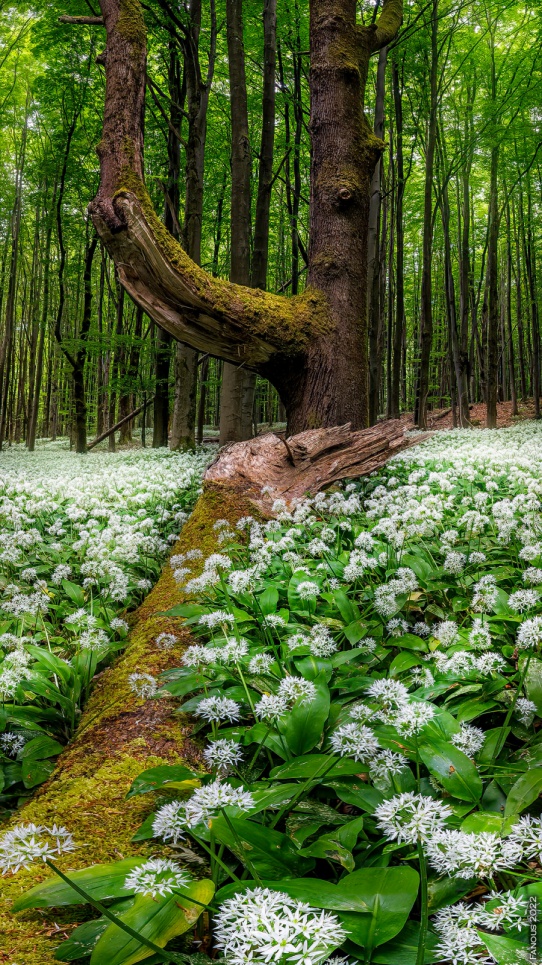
(312, 347)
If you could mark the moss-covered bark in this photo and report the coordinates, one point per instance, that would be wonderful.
(118, 737)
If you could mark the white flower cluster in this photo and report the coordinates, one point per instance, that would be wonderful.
(263, 926)
(26, 843)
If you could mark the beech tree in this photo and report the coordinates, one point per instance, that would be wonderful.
(312, 347)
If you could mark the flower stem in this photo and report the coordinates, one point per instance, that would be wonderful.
(424, 911)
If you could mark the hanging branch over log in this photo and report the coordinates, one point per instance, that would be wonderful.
(308, 462)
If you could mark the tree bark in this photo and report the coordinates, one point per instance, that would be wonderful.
(373, 250)
(238, 383)
(426, 313)
(311, 347)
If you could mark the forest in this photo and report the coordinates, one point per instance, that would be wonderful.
(270, 482)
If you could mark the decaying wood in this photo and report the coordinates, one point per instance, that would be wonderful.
(308, 462)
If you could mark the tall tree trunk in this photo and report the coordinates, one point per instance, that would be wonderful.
(6, 346)
(426, 315)
(394, 404)
(492, 365)
(509, 329)
(374, 312)
(260, 254)
(34, 408)
(238, 384)
(79, 395)
(197, 97)
(162, 359)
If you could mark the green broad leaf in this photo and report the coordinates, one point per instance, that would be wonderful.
(480, 821)
(402, 662)
(403, 950)
(442, 892)
(311, 667)
(12, 775)
(345, 656)
(270, 853)
(493, 798)
(83, 939)
(99, 880)
(494, 737)
(185, 685)
(50, 662)
(157, 919)
(453, 768)
(313, 765)
(358, 793)
(40, 747)
(524, 792)
(505, 951)
(302, 728)
(318, 893)
(36, 772)
(272, 797)
(145, 832)
(409, 641)
(329, 848)
(268, 600)
(355, 632)
(260, 734)
(533, 683)
(387, 894)
(472, 709)
(294, 600)
(175, 776)
(348, 610)
(74, 592)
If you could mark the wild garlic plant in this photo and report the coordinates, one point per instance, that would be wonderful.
(82, 540)
(366, 681)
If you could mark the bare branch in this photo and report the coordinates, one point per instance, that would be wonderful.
(82, 21)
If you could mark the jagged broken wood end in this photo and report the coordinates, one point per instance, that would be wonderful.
(290, 468)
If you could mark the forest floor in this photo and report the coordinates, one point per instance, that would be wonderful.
(443, 418)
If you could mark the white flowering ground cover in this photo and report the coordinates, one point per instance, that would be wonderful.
(367, 683)
(82, 539)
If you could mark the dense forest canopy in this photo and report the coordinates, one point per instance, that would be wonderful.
(453, 235)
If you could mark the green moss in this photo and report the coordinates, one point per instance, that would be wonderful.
(131, 23)
(285, 324)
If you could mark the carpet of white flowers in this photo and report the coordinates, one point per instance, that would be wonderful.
(82, 539)
(367, 684)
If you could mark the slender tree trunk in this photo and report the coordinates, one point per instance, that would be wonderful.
(509, 329)
(374, 313)
(492, 365)
(6, 346)
(79, 396)
(238, 384)
(265, 174)
(394, 404)
(426, 316)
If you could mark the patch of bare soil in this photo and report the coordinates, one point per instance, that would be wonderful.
(443, 418)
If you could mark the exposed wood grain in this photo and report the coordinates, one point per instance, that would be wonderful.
(308, 462)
